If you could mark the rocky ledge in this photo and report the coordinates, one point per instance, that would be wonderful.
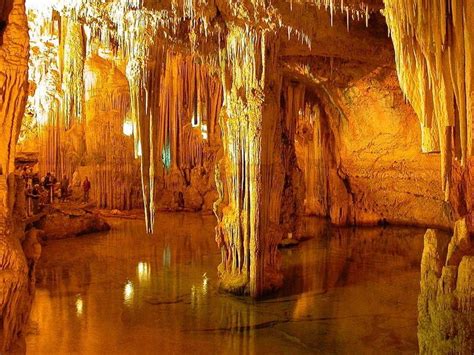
(69, 222)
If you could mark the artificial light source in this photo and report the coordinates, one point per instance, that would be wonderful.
(127, 128)
(41, 119)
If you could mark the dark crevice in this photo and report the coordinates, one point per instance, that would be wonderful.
(5, 9)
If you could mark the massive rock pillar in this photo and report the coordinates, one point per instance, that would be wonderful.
(249, 176)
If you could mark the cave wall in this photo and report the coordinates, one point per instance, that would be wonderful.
(109, 160)
(358, 146)
(17, 251)
(389, 176)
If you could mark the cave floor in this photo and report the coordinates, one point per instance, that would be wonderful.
(123, 292)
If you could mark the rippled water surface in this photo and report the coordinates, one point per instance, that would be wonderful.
(346, 291)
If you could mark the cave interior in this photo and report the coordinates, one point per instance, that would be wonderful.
(260, 114)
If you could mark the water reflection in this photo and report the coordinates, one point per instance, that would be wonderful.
(79, 305)
(347, 290)
(128, 293)
(143, 272)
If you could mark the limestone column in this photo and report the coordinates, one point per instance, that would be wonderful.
(16, 288)
(249, 176)
(14, 47)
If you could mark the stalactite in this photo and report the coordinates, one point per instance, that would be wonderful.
(181, 98)
(110, 151)
(434, 58)
(73, 71)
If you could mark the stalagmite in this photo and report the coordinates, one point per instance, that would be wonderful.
(446, 300)
(72, 41)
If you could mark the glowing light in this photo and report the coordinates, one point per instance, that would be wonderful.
(128, 292)
(41, 119)
(143, 271)
(79, 305)
(204, 131)
(205, 281)
(127, 128)
(39, 4)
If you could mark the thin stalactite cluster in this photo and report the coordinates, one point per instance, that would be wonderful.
(175, 104)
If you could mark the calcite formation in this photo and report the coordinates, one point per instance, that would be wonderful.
(249, 86)
(68, 223)
(262, 111)
(433, 42)
(246, 231)
(16, 268)
(446, 301)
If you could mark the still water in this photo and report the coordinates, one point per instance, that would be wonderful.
(347, 291)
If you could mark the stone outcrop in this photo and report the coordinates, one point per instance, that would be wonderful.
(358, 148)
(63, 223)
(446, 301)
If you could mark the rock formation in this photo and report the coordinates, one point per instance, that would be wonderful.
(16, 263)
(66, 223)
(434, 50)
(249, 88)
(262, 111)
(446, 301)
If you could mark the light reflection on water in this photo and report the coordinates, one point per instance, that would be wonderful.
(79, 305)
(143, 272)
(346, 291)
(128, 293)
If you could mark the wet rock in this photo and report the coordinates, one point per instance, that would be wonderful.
(192, 199)
(209, 199)
(288, 243)
(461, 243)
(31, 245)
(71, 223)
